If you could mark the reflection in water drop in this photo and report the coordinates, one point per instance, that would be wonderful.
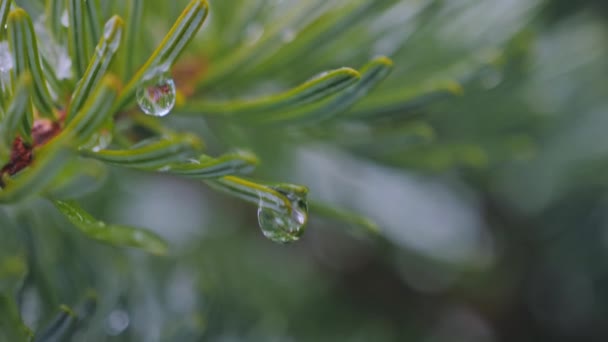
(117, 322)
(157, 96)
(280, 227)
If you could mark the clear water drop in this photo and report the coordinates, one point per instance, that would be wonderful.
(280, 227)
(318, 76)
(101, 139)
(156, 71)
(111, 35)
(156, 97)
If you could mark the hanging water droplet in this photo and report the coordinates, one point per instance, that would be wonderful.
(281, 227)
(157, 96)
(156, 71)
(101, 139)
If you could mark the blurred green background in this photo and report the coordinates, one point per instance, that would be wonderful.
(482, 157)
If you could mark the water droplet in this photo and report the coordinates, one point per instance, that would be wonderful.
(157, 96)
(65, 20)
(101, 139)
(112, 34)
(280, 227)
(156, 71)
(117, 322)
(318, 76)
